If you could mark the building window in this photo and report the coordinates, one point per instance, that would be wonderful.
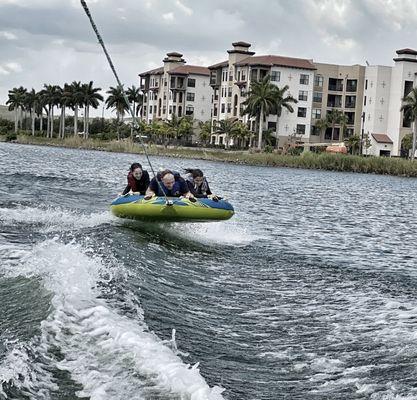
(229, 92)
(180, 97)
(238, 76)
(164, 110)
(243, 76)
(223, 108)
(174, 109)
(350, 102)
(318, 81)
(336, 85)
(301, 129)
(190, 96)
(189, 110)
(317, 97)
(350, 118)
(229, 107)
(334, 100)
(191, 82)
(170, 109)
(150, 109)
(215, 110)
(304, 79)
(351, 85)
(408, 87)
(302, 95)
(349, 132)
(275, 76)
(364, 100)
(315, 131)
(366, 84)
(316, 113)
(302, 112)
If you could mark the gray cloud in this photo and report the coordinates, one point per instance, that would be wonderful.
(51, 41)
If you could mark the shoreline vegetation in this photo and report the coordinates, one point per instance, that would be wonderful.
(307, 160)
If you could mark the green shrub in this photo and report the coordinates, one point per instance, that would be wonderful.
(11, 136)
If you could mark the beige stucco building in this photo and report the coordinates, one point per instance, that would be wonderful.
(176, 89)
(337, 87)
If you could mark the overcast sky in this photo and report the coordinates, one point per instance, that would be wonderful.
(51, 41)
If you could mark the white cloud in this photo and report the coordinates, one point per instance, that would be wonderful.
(8, 35)
(10, 67)
(4, 71)
(335, 41)
(14, 67)
(186, 10)
(168, 16)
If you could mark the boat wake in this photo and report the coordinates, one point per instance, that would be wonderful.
(108, 354)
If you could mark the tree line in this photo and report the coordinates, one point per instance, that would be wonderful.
(73, 97)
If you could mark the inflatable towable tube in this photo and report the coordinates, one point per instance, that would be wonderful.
(179, 210)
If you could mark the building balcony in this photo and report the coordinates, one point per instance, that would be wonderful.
(336, 88)
(334, 105)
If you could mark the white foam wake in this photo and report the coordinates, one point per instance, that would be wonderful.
(54, 218)
(224, 233)
(111, 355)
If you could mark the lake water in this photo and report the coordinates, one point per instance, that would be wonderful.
(309, 292)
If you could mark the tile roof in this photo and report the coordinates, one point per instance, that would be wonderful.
(218, 65)
(155, 71)
(190, 69)
(406, 51)
(241, 44)
(381, 138)
(270, 61)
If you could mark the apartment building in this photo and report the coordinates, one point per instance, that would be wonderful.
(385, 87)
(337, 87)
(231, 81)
(176, 89)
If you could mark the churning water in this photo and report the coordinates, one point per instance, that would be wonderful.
(309, 292)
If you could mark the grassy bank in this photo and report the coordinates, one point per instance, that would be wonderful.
(324, 161)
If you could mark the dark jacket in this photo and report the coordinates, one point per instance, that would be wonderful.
(137, 185)
(180, 187)
(201, 191)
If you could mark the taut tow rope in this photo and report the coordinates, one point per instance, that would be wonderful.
(134, 119)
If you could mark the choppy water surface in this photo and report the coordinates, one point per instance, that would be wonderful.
(308, 293)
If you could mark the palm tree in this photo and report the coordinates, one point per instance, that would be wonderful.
(260, 102)
(336, 117)
(282, 101)
(31, 100)
(205, 131)
(322, 124)
(117, 101)
(410, 111)
(240, 134)
(16, 102)
(173, 127)
(353, 143)
(38, 109)
(51, 95)
(91, 98)
(135, 97)
(227, 127)
(77, 98)
(65, 101)
(155, 130)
